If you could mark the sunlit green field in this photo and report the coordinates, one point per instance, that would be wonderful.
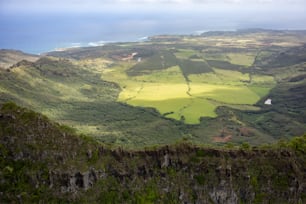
(225, 93)
(175, 97)
(220, 76)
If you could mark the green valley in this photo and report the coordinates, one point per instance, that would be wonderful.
(225, 112)
(205, 89)
(153, 102)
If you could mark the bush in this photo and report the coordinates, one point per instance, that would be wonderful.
(245, 146)
(67, 129)
(298, 144)
(9, 106)
(200, 179)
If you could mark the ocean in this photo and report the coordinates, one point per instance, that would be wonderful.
(42, 32)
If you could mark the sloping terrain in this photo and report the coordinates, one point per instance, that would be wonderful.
(78, 97)
(11, 57)
(42, 161)
(204, 89)
(283, 58)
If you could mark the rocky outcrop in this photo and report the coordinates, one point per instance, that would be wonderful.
(73, 182)
(41, 161)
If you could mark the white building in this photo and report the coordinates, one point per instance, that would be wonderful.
(268, 101)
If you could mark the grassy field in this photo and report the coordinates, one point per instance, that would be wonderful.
(210, 78)
(198, 108)
(263, 80)
(225, 93)
(188, 109)
(169, 75)
(164, 90)
(168, 91)
(232, 77)
(245, 59)
(156, 92)
(185, 53)
(261, 91)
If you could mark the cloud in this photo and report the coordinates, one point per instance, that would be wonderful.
(98, 5)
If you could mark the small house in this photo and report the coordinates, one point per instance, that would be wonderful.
(268, 101)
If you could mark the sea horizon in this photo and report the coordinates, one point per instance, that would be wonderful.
(39, 30)
(50, 47)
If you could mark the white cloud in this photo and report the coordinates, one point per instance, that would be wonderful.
(98, 5)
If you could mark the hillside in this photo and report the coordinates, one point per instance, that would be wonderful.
(10, 57)
(42, 161)
(206, 89)
(75, 96)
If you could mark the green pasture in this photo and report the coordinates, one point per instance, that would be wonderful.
(187, 109)
(263, 80)
(224, 93)
(261, 85)
(231, 77)
(194, 67)
(171, 108)
(210, 78)
(220, 76)
(168, 92)
(261, 91)
(215, 56)
(197, 109)
(154, 91)
(172, 99)
(244, 59)
(185, 53)
(159, 61)
(169, 75)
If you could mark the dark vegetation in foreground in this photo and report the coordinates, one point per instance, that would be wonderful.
(42, 161)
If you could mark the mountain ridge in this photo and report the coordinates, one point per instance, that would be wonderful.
(42, 161)
(9, 57)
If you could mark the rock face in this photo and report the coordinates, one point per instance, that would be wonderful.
(74, 182)
(44, 162)
(223, 194)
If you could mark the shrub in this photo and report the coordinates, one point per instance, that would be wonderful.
(9, 106)
(245, 146)
(200, 179)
